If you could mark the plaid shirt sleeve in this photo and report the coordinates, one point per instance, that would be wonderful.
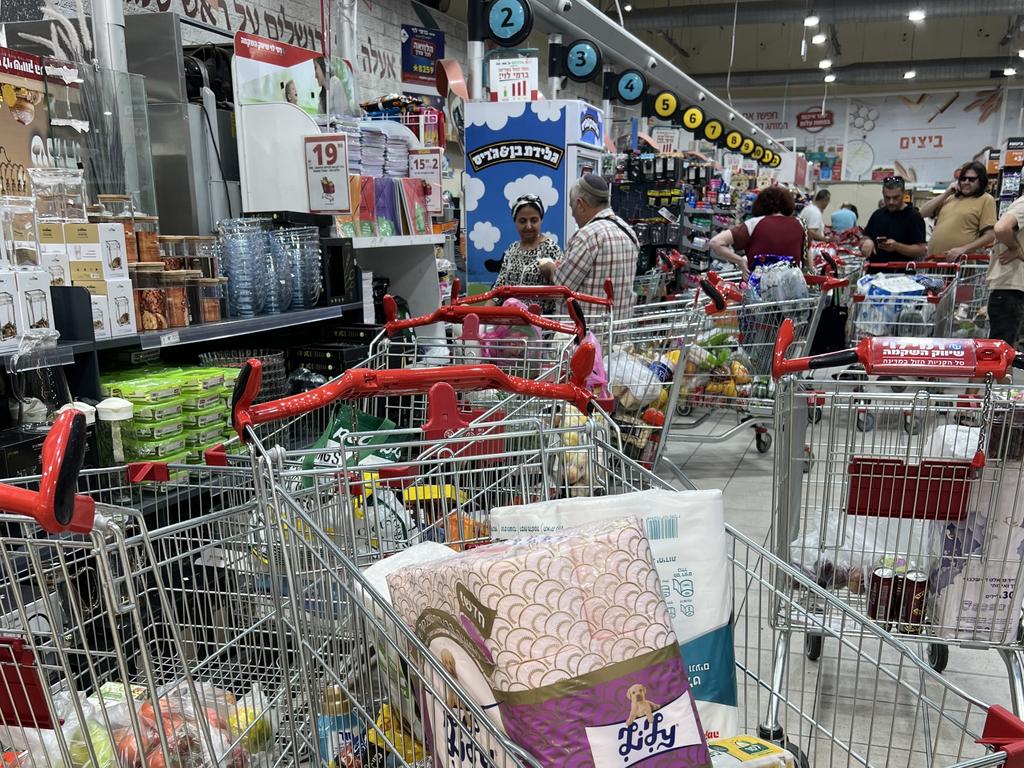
(573, 268)
(599, 251)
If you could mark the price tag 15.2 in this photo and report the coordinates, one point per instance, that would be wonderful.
(327, 173)
(426, 164)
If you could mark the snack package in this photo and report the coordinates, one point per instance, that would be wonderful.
(749, 752)
(565, 641)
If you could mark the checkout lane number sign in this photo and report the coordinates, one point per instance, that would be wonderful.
(509, 22)
(327, 173)
(631, 86)
(582, 60)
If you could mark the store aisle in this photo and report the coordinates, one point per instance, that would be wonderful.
(745, 477)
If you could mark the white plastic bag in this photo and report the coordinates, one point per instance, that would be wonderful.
(634, 385)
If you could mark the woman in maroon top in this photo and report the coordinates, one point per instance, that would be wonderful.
(771, 234)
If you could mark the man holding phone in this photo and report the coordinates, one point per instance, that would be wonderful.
(896, 231)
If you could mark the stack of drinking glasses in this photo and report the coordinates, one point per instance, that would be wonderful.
(300, 248)
(245, 256)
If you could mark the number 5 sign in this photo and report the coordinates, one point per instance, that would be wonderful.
(426, 164)
(327, 173)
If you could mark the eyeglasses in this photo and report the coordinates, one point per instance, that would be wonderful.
(968, 178)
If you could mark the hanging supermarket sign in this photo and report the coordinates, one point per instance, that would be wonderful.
(421, 47)
(814, 120)
(514, 151)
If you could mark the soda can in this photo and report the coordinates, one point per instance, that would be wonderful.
(880, 595)
(912, 600)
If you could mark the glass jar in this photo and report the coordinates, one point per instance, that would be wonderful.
(175, 283)
(19, 228)
(59, 194)
(206, 252)
(212, 299)
(8, 319)
(150, 299)
(172, 251)
(119, 209)
(192, 294)
(38, 316)
(146, 234)
(113, 426)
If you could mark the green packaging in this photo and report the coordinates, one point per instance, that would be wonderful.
(148, 390)
(155, 449)
(160, 411)
(207, 417)
(149, 431)
(199, 401)
(204, 436)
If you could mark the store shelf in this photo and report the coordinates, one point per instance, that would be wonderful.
(63, 354)
(711, 211)
(227, 329)
(398, 241)
(698, 228)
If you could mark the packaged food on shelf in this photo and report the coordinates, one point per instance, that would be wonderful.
(100, 246)
(155, 449)
(204, 379)
(34, 296)
(157, 430)
(53, 253)
(121, 307)
(207, 436)
(158, 411)
(201, 401)
(149, 389)
(205, 418)
(13, 322)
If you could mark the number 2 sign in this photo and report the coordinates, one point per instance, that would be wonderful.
(426, 164)
(327, 173)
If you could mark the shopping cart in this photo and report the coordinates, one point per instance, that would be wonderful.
(728, 368)
(875, 704)
(970, 316)
(929, 313)
(917, 527)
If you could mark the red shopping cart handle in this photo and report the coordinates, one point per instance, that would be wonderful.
(365, 382)
(911, 266)
(830, 263)
(722, 292)
(826, 283)
(55, 506)
(896, 356)
(975, 258)
(456, 313)
(1004, 732)
(531, 292)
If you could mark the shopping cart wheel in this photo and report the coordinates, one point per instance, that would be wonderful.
(777, 736)
(813, 645)
(763, 441)
(911, 424)
(684, 410)
(814, 414)
(797, 753)
(865, 421)
(938, 656)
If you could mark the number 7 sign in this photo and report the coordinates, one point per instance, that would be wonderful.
(327, 173)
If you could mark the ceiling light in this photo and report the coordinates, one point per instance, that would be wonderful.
(821, 37)
(830, 78)
(1009, 72)
(910, 74)
(824, 63)
(627, 7)
(916, 15)
(1021, 53)
(811, 21)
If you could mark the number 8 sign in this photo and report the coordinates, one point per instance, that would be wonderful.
(327, 173)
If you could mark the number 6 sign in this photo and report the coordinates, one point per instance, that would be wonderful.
(327, 173)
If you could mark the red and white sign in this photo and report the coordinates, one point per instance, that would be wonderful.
(426, 164)
(945, 357)
(814, 120)
(327, 173)
(269, 51)
(513, 79)
(667, 139)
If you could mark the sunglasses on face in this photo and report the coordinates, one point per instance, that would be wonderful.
(968, 178)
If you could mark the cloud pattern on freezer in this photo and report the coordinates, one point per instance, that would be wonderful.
(497, 119)
(530, 184)
(485, 236)
(473, 191)
(546, 110)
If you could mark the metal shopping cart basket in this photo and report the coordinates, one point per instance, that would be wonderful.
(970, 315)
(918, 527)
(728, 368)
(876, 704)
(906, 310)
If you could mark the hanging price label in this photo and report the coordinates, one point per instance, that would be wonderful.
(327, 173)
(426, 164)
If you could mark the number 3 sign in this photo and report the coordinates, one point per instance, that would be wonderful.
(327, 173)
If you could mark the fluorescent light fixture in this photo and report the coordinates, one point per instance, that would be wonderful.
(916, 15)
(830, 78)
(821, 37)
(910, 74)
(811, 21)
(824, 63)
(1009, 72)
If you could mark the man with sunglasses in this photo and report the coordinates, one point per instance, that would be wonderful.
(964, 215)
(896, 231)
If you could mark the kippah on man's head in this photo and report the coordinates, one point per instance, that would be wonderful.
(595, 186)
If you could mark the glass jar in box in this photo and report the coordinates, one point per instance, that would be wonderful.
(207, 256)
(175, 289)
(193, 295)
(211, 299)
(38, 315)
(8, 317)
(150, 299)
(146, 234)
(19, 228)
(121, 210)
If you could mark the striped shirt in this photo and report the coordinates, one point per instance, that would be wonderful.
(603, 247)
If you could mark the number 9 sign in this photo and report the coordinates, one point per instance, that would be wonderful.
(631, 86)
(665, 105)
(747, 147)
(582, 61)
(509, 22)
(693, 119)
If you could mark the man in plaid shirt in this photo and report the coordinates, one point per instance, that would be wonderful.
(604, 246)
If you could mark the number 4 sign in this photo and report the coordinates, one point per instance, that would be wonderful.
(327, 173)
(426, 164)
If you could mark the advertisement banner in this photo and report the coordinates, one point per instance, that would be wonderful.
(268, 71)
(513, 79)
(421, 47)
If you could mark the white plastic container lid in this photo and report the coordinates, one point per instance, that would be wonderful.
(114, 409)
(85, 408)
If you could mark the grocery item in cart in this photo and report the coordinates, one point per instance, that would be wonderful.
(346, 422)
(687, 534)
(565, 642)
(749, 752)
(633, 384)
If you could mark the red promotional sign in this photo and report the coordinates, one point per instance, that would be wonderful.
(270, 51)
(814, 120)
(895, 356)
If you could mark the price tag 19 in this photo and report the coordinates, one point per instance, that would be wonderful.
(426, 164)
(327, 173)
